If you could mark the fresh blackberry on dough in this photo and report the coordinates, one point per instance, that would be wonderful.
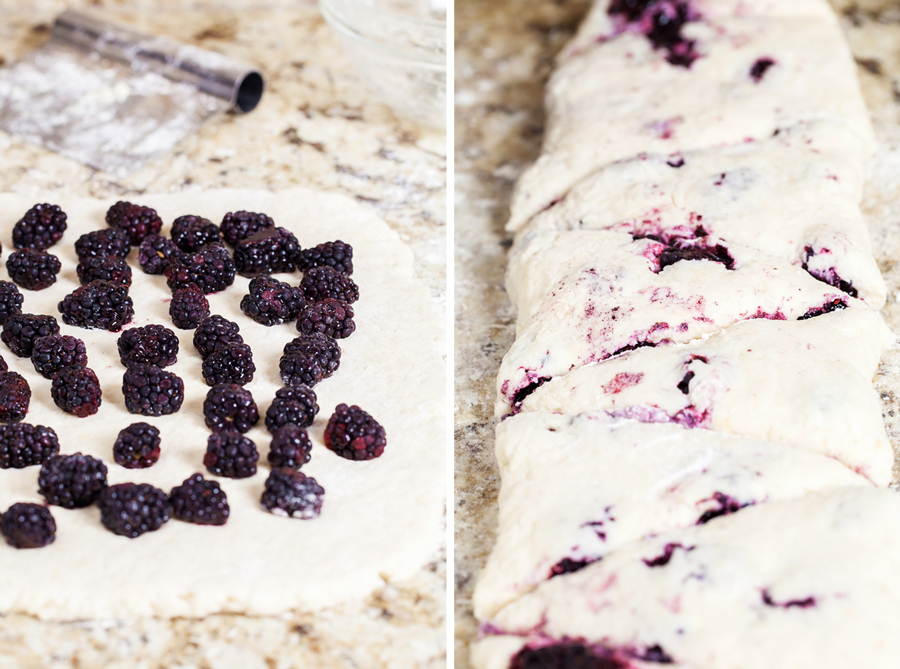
(354, 434)
(112, 269)
(33, 270)
(292, 494)
(231, 363)
(52, 353)
(15, 396)
(28, 526)
(192, 233)
(321, 283)
(137, 446)
(10, 300)
(24, 445)
(21, 331)
(76, 390)
(151, 391)
(188, 307)
(336, 255)
(200, 502)
(40, 228)
(212, 269)
(134, 220)
(148, 345)
(266, 252)
(329, 317)
(290, 447)
(72, 481)
(102, 243)
(133, 509)
(98, 305)
(228, 406)
(215, 332)
(156, 253)
(230, 454)
(239, 225)
(294, 405)
(308, 359)
(271, 302)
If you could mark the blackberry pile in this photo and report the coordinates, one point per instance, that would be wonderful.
(133, 509)
(308, 359)
(230, 454)
(33, 270)
(290, 447)
(76, 390)
(215, 332)
(40, 228)
(21, 331)
(354, 434)
(98, 305)
(267, 251)
(156, 253)
(148, 345)
(292, 494)
(230, 363)
(151, 391)
(72, 481)
(329, 317)
(337, 255)
(239, 225)
(102, 244)
(28, 526)
(229, 406)
(24, 445)
(112, 269)
(321, 283)
(193, 233)
(15, 396)
(271, 302)
(52, 353)
(188, 307)
(212, 270)
(200, 502)
(294, 405)
(10, 300)
(134, 220)
(137, 446)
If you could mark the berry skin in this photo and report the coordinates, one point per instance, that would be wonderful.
(239, 225)
(308, 359)
(266, 252)
(290, 447)
(271, 302)
(200, 502)
(52, 353)
(133, 509)
(148, 345)
(228, 406)
(72, 481)
(294, 405)
(10, 300)
(156, 253)
(329, 317)
(151, 391)
(134, 220)
(230, 454)
(337, 255)
(98, 305)
(76, 391)
(28, 526)
(33, 270)
(24, 445)
(21, 331)
(40, 228)
(188, 307)
(212, 269)
(192, 233)
(137, 446)
(101, 244)
(215, 332)
(321, 283)
(110, 268)
(15, 396)
(354, 434)
(232, 363)
(292, 494)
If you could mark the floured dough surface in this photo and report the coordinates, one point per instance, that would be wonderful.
(380, 519)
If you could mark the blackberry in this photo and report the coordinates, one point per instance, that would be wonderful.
(292, 494)
(52, 353)
(40, 228)
(20, 331)
(228, 406)
(188, 307)
(151, 391)
(232, 363)
(211, 269)
(137, 446)
(72, 481)
(354, 434)
(192, 233)
(112, 269)
(320, 283)
(23, 445)
(308, 359)
(290, 447)
(28, 526)
(102, 243)
(329, 317)
(215, 332)
(156, 253)
(200, 502)
(294, 405)
(15, 396)
(271, 302)
(148, 345)
(134, 220)
(98, 305)
(10, 300)
(230, 454)
(239, 225)
(76, 390)
(133, 509)
(337, 255)
(33, 270)
(3, 365)
(568, 654)
(266, 252)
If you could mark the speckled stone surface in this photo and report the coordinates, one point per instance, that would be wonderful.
(317, 126)
(504, 54)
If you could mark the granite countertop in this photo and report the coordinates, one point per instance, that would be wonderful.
(317, 126)
(504, 54)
